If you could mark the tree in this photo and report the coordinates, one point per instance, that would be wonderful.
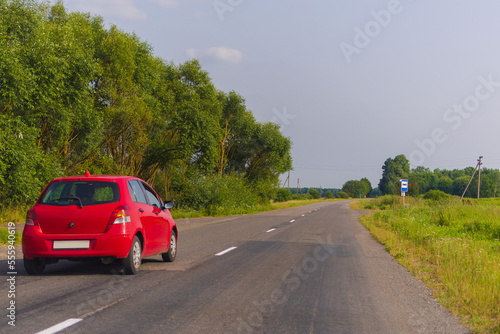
(24, 168)
(393, 171)
(445, 184)
(314, 193)
(343, 195)
(269, 155)
(459, 185)
(283, 195)
(328, 194)
(357, 188)
(77, 96)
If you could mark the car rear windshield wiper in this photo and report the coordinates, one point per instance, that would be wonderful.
(72, 198)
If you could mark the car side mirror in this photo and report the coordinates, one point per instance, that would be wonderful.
(168, 204)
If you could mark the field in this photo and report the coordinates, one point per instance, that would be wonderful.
(453, 247)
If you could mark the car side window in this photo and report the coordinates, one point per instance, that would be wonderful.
(136, 192)
(152, 198)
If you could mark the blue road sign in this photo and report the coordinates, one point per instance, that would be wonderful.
(404, 186)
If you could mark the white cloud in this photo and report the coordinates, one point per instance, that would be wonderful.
(118, 8)
(222, 53)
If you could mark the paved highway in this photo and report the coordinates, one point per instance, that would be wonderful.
(312, 269)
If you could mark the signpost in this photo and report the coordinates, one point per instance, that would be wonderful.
(404, 189)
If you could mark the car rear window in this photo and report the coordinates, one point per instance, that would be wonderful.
(80, 192)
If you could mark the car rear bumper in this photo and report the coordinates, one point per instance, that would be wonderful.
(116, 242)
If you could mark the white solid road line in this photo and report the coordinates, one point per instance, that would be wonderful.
(273, 229)
(59, 327)
(226, 251)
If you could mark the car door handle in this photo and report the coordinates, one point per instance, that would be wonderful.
(141, 210)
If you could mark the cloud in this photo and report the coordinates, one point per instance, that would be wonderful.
(221, 53)
(118, 8)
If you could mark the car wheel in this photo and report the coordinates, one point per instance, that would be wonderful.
(132, 263)
(35, 266)
(172, 249)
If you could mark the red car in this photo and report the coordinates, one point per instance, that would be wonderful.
(101, 216)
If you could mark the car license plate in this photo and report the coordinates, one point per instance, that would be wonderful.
(71, 244)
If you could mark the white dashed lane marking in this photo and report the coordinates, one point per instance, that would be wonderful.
(226, 251)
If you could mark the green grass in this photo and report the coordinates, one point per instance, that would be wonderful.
(4, 236)
(13, 213)
(454, 248)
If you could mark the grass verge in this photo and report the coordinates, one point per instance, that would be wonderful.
(454, 248)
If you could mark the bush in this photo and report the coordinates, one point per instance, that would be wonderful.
(215, 195)
(301, 196)
(314, 193)
(342, 194)
(283, 195)
(436, 195)
(328, 194)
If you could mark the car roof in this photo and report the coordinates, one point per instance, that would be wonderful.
(95, 178)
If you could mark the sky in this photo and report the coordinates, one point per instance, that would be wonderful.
(351, 83)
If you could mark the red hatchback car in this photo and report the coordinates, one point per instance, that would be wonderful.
(101, 216)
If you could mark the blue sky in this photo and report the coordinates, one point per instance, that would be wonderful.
(351, 83)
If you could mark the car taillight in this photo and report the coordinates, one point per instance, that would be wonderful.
(120, 215)
(31, 218)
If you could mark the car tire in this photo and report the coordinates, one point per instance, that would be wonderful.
(35, 266)
(132, 263)
(170, 255)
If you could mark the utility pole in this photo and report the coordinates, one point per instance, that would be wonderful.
(479, 163)
(287, 180)
(468, 184)
(299, 190)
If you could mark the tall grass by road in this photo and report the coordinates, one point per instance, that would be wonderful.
(453, 247)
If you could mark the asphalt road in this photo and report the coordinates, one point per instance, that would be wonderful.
(311, 269)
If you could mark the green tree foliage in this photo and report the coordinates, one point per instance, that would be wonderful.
(283, 195)
(76, 96)
(393, 171)
(314, 193)
(422, 180)
(328, 195)
(342, 194)
(24, 169)
(359, 188)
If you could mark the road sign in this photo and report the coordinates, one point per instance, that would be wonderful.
(404, 186)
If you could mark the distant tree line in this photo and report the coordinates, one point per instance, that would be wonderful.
(421, 180)
(75, 96)
(322, 191)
